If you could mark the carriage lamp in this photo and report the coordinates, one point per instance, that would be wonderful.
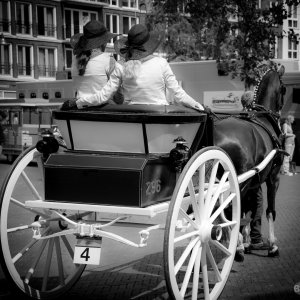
(180, 154)
(48, 144)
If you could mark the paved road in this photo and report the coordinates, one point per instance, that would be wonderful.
(128, 273)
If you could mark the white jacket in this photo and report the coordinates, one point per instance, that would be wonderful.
(154, 78)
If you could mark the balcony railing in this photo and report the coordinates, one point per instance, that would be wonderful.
(25, 70)
(46, 30)
(23, 28)
(4, 25)
(46, 71)
(5, 69)
(70, 30)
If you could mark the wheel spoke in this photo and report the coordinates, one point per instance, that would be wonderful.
(221, 247)
(30, 185)
(211, 184)
(185, 236)
(31, 270)
(25, 249)
(222, 207)
(204, 272)
(189, 269)
(196, 275)
(193, 200)
(213, 263)
(68, 246)
(48, 264)
(59, 261)
(185, 254)
(201, 191)
(212, 203)
(228, 224)
(187, 218)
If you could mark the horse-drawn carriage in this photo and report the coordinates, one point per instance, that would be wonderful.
(114, 163)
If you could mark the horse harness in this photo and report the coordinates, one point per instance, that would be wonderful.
(253, 116)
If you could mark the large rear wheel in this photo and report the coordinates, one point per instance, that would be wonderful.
(40, 268)
(202, 227)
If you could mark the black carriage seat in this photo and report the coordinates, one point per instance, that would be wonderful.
(134, 113)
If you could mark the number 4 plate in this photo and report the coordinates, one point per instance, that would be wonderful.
(87, 254)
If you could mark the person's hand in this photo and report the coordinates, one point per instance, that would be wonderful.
(69, 105)
(199, 107)
(207, 109)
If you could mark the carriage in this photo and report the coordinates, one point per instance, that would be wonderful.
(114, 164)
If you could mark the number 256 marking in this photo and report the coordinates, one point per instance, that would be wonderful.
(153, 187)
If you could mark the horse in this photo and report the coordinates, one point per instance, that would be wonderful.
(249, 136)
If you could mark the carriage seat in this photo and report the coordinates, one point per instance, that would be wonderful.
(128, 128)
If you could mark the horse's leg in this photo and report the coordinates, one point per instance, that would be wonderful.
(272, 187)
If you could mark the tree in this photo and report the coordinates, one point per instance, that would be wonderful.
(224, 28)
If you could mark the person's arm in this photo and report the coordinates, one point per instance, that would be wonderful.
(106, 92)
(180, 96)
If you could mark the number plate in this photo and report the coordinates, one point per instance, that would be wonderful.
(87, 255)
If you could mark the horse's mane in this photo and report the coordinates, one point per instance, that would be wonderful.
(262, 84)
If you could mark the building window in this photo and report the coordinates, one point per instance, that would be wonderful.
(23, 18)
(292, 49)
(75, 20)
(46, 21)
(113, 2)
(24, 60)
(129, 3)
(5, 60)
(128, 22)
(4, 16)
(112, 23)
(292, 16)
(69, 58)
(46, 62)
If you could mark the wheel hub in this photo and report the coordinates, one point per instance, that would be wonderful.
(209, 231)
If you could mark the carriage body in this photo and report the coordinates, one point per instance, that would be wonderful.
(119, 155)
(116, 164)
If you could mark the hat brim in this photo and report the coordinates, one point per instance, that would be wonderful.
(94, 42)
(150, 46)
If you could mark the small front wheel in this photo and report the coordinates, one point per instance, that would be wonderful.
(40, 268)
(202, 227)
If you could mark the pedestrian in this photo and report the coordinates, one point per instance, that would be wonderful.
(289, 144)
(144, 76)
(92, 66)
(3, 117)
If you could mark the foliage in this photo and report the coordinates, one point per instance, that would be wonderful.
(222, 30)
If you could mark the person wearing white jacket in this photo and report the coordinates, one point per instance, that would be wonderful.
(144, 77)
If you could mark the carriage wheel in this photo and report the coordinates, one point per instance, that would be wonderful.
(202, 227)
(38, 268)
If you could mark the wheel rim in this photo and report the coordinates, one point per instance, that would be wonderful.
(39, 268)
(202, 227)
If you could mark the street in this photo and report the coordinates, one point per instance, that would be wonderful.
(129, 273)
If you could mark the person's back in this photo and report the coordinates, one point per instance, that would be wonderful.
(91, 66)
(95, 77)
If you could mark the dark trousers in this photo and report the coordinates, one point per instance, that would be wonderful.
(254, 204)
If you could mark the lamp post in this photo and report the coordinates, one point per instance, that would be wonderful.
(2, 39)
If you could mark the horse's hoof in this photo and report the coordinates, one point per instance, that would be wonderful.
(273, 252)
(239, 256)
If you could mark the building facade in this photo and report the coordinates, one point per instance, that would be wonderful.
(35, 34)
